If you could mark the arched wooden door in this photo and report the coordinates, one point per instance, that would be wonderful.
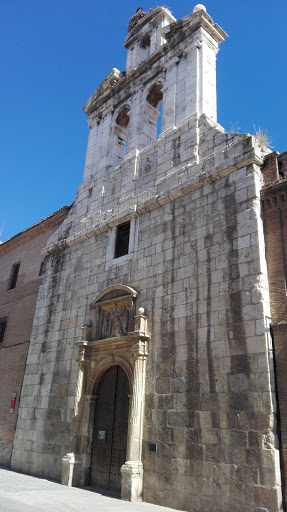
(110, 430)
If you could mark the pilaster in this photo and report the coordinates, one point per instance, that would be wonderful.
(132, 470)
(169, 93)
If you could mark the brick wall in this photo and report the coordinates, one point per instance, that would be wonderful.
(274, 204)
(18, 306)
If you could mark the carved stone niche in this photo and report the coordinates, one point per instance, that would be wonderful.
(114, 313)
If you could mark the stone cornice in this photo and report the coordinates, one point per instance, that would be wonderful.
(105, 87)
(133, 340)
(191, 23)
(152, 17)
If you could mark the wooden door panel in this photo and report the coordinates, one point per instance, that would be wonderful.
(110, 430)
(119, 444)
(104, 418)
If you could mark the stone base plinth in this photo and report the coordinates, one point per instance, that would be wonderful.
(71, 469)
(132, 481)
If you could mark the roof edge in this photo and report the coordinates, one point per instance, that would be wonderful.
(57, 213)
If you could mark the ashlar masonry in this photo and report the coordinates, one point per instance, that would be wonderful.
(151, 327)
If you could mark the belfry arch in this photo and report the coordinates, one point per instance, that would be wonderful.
(152, 99)
(113, 349)
(155, 95)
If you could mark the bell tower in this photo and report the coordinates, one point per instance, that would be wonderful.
(169, 61)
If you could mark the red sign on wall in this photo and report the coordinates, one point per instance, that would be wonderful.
(13, 402)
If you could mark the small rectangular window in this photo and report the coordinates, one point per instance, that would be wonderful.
(122, 240)
(14, 276)
(3, 323)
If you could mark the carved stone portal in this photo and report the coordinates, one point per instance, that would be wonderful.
(117, 336)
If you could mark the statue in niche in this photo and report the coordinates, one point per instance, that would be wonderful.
(115, 323)
(116, 327)
(119, 323)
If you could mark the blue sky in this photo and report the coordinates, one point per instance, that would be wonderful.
(53, 56)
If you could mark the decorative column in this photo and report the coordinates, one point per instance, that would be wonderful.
(132, 470)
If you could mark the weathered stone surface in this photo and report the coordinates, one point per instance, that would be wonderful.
(189, 332)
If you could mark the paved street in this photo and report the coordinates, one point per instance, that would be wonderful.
(23, 493)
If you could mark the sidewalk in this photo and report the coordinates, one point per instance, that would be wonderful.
(23, 493)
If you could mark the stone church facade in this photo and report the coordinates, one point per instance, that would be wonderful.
(150, 369)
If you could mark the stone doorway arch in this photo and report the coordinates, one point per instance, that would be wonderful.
(117, 335)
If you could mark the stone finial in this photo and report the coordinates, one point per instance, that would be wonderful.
(199, 7)
(141, 321)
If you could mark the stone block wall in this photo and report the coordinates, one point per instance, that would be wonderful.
(200, 272)
(208, 405)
